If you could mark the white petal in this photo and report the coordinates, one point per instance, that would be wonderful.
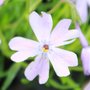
(60, 29)
(67, 42)
(20, 43)
(69, 57)
(44, 72)
(60, 67)
(87, 86)
(62, 26)
(1, 2)
(23, 55)
(85, 57)
(33, 68)
(39, 67)
(41, 25)
(82, 9)
(70, 34)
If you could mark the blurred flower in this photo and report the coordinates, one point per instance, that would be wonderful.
(46, 49)
(0, 40)
(82, 8)
(87, 86)
(1, 2)
(85, 54)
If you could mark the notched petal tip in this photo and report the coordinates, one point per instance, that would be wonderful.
(32, 13)
(45, 14)
(67, 20)
(72, 34)
(41, 25)
(59, 65)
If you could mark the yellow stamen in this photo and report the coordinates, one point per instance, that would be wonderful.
(45, 50)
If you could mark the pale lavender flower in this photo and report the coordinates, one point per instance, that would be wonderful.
(85, 54)
(82, 8)
(87, 86)
(46, 49)
(1, 2)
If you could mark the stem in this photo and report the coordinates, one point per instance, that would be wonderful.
(55, 7)
(36, 3)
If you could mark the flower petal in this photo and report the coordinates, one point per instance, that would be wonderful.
(71, 34)
(44, 72)
(62, 26)
(33, 68)
(67, 42)
(39, 67)
(41, 25)
(82, 9)
(60, 29)
(87, 86)
(59, 39)
(23, 55)
(60, 67)
(69, 57)
(1, 2)
(20, 43)
(85, 57)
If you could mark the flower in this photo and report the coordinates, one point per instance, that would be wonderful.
(1, 2)
(46, 49)
(85, 54)
(82, 8)
(87, 86)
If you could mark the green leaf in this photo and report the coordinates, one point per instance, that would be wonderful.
(58, 85)
(70, 82)
(11, 75)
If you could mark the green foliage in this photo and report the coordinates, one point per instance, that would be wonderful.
(14, 22)
(12, 72)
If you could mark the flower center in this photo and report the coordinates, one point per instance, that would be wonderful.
(45, 48)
